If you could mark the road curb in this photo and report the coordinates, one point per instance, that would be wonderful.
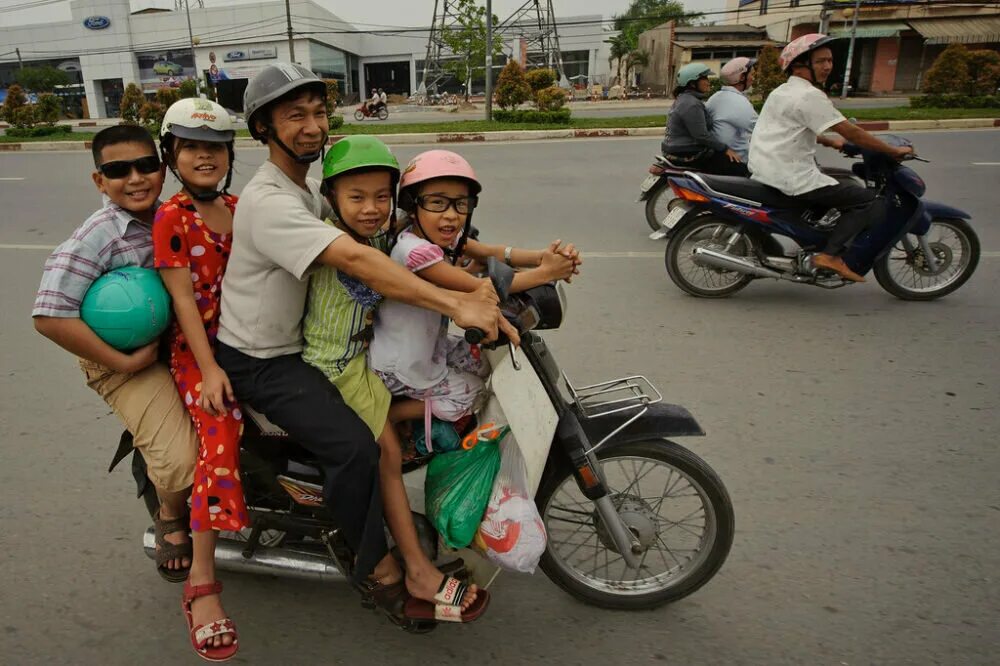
(536, 135)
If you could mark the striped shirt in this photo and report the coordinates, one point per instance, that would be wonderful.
(110, 238)
(339, 317)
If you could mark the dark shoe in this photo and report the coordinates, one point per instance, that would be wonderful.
(837, 265)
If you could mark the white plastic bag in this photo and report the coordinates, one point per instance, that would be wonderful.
(512, 535)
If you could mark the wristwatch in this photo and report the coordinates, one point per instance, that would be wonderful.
(506, 255)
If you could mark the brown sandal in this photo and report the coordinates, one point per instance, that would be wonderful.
(167, 551)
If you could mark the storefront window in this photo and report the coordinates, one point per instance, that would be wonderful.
(328, 63)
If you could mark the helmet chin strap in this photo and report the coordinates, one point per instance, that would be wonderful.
(308, 158)
(205, 196)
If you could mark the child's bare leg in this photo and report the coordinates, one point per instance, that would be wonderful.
(207, 609)
(422, 578)
(173, 505)
(406, 410)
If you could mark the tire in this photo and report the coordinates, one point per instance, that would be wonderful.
(623, 593)
(732, 282)
(888, 279)
(658, 196)
(383, 114)
(359, 115)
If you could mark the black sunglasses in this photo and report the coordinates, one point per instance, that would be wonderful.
(438, 203)
(122, 168)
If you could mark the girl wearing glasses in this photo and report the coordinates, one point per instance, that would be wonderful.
(412, 351)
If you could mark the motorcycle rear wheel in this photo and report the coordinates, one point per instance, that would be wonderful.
(677, 480)
(956, 247)
(658, 204)
(383, 113)
(704, 281)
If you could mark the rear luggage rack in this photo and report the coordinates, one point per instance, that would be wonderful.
(617, 396)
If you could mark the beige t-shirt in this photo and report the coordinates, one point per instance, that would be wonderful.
(278, 232)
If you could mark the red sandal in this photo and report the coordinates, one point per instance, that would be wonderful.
(203, 633)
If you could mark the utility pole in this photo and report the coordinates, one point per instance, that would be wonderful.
(20, 63)
(288, 20)
(489, 60)
(850, 51)
(194, 57)
(824, 19)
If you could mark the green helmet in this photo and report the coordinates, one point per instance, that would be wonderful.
(691, 72)
(353, 153)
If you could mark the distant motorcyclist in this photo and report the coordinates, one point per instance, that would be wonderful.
(732, 112)
(783, 150)
(689, 140)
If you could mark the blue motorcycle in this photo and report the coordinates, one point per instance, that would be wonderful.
(727, 231)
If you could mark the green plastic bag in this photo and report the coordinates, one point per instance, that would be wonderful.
(457, 489)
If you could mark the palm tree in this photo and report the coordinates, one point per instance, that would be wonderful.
(619, 50)
(636, 58)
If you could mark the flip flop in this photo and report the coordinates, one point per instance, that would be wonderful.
(447, 606)
(167, 551)
(201, 634)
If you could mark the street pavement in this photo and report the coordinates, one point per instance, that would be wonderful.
(856, 434)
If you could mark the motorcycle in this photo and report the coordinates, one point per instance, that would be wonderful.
(612, 542)
(365, 111)
(660, 198)
(726, 232)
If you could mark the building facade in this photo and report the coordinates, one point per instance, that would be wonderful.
(106, 46)
(896, 42)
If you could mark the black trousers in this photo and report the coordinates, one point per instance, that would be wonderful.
(714, 162)
(300, 400)
(855, 204)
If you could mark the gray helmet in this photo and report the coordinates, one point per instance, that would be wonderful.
(273, 82)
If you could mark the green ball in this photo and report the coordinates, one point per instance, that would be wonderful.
(127, 307)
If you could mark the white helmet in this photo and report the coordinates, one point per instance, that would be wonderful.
(198, 120)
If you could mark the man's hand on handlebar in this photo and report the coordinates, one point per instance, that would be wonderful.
(899, 153)
(478, 309)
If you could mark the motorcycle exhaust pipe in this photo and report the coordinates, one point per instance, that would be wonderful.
(731, 262)
(269, 561)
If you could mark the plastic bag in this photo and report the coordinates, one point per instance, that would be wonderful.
(443, 438)
(457, 488)
(512, 534)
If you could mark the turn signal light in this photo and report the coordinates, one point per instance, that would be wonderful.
(688, 195)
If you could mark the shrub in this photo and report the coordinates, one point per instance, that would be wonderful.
(151, 116)
(560, 117)
(512, 86)
(167, 96)
(23, 117)
(332, 98)
(938, 101)
(949, 73)
(552, 98)
(16, 99)
(336, 121)
(44, 130)
(768, 75)
(48, 109)
(132, 101)
(984, 72)
(188, 88)
(540, 79)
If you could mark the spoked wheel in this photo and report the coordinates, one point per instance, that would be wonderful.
(658, 205)
(359, 115)
(383, 113)
(905, 273)
(669, 498)
(694, 277)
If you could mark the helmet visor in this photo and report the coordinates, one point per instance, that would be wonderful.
(202, 134)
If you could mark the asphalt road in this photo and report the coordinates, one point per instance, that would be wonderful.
(856, 434)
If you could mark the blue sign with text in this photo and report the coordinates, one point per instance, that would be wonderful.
(96, 22)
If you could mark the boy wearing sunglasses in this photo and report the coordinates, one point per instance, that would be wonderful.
(139, 389)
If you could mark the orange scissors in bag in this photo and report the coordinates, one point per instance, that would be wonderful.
(484, 433)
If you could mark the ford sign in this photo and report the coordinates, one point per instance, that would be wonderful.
(96, 22)
(236, 55)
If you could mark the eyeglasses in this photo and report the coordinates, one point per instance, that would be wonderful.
(122, 168)
(438, 203)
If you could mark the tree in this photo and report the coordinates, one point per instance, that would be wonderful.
(984, 72)
(188, 89)
(950, 72)
(645, 14)
(636, 58)
(48, 108)
(619, 49)
(540, 79)
(16, 99)
(512, 86)
(768, 75)
(332, 95)
(468, 42)
(132, 101)
(41, 79)
(167, 96)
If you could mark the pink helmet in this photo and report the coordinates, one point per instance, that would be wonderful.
(433, 164)
(733, 71)
(800, 46)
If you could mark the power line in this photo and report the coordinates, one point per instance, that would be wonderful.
(28, 5)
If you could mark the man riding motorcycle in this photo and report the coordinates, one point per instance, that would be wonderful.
(783, 150)
(689, 141)
(732, 113)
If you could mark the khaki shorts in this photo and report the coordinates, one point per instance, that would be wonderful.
(148, 404)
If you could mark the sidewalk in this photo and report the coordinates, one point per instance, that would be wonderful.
(536, 135)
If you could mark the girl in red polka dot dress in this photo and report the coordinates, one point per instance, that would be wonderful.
(192, 237)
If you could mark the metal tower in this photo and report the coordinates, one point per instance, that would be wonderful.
(534, 22)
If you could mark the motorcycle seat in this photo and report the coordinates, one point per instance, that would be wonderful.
(745, 188)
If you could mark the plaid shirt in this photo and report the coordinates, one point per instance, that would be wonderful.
(110, 238)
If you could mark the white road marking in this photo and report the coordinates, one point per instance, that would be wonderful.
(986, 164)
(17, 246)
(11, 178)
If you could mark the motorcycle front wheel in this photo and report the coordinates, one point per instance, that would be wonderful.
(359, 115)
(907, 274)
(669, 498)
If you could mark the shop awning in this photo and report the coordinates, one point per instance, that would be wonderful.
(959, 30)
(869, 29)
